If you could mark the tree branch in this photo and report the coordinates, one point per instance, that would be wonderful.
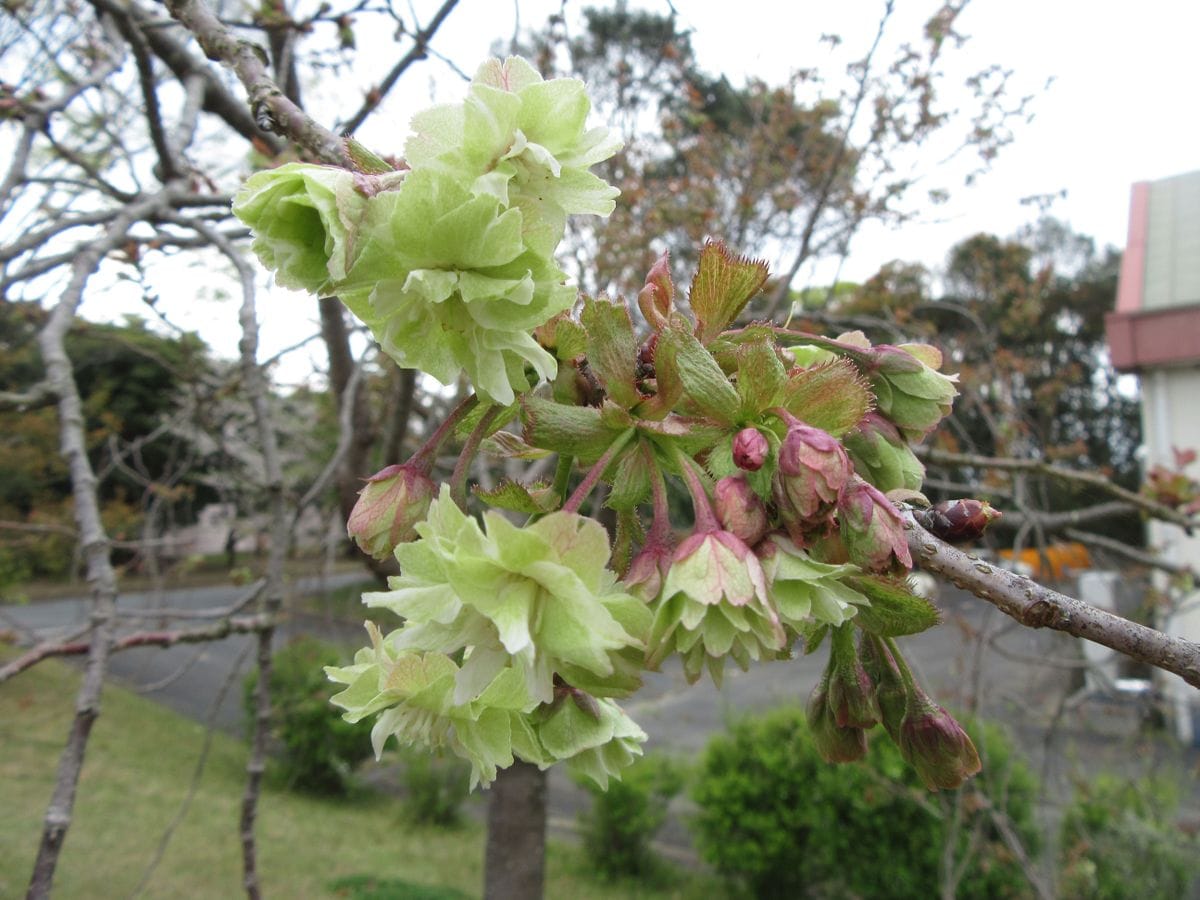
(1091, 479)
(271, 108)
(255, 623)
(415, 53)
(1038, 607)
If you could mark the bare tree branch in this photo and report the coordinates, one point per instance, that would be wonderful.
(1039, 607)
(417, 52)
(1076, 476)
(100, 575)
(272, 110)
(218, 631)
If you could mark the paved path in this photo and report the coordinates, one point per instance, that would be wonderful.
(1020, 677)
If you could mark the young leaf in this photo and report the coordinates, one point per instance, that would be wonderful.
(722, 287)
(630, 480)
(573, 430)
(761, 377)
(612, 349)
(702, 379)
(531, 499)
(894, 609)
(832, 397)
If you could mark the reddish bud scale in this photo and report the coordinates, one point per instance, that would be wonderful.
(958, 521)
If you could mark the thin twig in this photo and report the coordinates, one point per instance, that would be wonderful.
(271, 108)
(1039, 607)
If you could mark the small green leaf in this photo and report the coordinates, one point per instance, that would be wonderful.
(573, 430)
(811, 635)
(761, 377)
(703, 381)
(722, 287)
(366, 160)
(531, 499)
(570, 339)
(833, 397)
(506, 445)
(612, 349)
(894, 609)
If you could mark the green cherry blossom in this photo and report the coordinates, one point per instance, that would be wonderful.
(539, 599)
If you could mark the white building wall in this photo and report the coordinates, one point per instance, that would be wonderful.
(1171, 418)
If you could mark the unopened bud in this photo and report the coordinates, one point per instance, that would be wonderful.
(890, 693)
(812, 469)
(851, 696)
(871, 528)
(958, 521)
(935, 745)
(750, 449)
(389, 507)
(740, 510)
(835, 744)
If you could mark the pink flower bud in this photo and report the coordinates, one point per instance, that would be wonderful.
(813, 466)
(871, 528)
(389, 507)
(740, 510)
(750, 449)
(936, 746)
(958, 521)
(648, 569)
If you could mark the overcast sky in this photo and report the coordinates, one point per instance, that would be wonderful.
(1121, 106)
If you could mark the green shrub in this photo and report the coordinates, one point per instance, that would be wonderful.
(1119, 833)
(317, 748)
(435, 787)
(623, 820)
(780, 821)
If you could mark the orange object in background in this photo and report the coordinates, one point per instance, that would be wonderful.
(1052, 562)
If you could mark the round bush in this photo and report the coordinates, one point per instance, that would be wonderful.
(780, 821)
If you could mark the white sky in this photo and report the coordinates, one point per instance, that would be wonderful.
(1123, 107)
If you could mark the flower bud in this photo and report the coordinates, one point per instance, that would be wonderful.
(812, 469)
(740, 510)
(835, 743)
(389, 507)
(890, 693)
(882, 456)
(851, 696)
(648, 569)
(936, 746)
(958, 521)
(750, 449)
(871, 528)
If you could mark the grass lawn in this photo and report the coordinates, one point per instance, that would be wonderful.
(140, 762)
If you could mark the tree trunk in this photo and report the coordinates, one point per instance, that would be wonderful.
(515, 864)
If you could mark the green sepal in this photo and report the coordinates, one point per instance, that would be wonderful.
(812, 634)
(532, 499)
(832, 397)
(895, 610)
(572, 430)
(365, 160)
(703, 381)
(722, 287)
(612, 349)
